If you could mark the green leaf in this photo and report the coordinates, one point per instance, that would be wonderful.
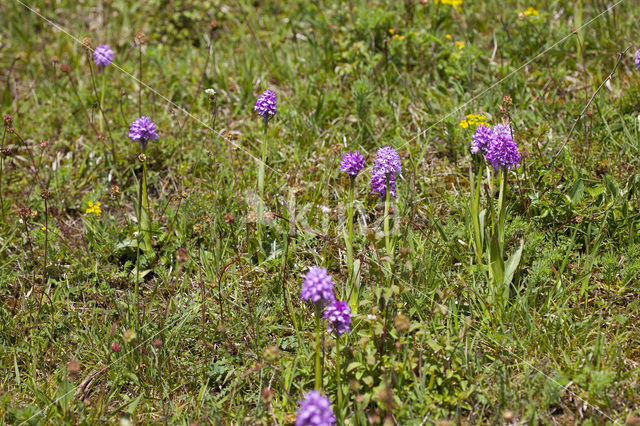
(512, 264)
(576, 192)
(612, 186)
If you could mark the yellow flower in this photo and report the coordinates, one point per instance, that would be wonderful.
(93, 208)
(460, 44)
(44, 228)
(473, 120)
(531, 12)
(456, 4)
(448, 36)
(391, 31)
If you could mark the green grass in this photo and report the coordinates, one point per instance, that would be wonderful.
(216, 338)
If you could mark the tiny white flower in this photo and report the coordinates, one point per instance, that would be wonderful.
(210, 92)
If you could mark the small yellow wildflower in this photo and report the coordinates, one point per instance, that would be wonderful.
(460, 44)
(531, 12)
(398, 37)
(44, 228)
(473, 120)
(456, 4)
(448, 36)
(93, 208)
(391, 31)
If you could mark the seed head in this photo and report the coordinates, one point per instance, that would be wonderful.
(140, 38)
(8, 120)
(114, 191)
(86, 43)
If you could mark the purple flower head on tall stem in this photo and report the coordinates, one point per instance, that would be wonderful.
(503, 152)
(379, 184)
(352, 163)
(387, 165)
(339, 315)
(266, 105)
(315, 410)
(317, 287)
(143, 130)
(387, 161)
(103, 56)
(482, 139)
(638, 59)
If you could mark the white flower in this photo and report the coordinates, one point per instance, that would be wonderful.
(210, 92)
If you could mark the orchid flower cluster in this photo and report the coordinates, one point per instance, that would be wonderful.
(496, 146)
(317, 289)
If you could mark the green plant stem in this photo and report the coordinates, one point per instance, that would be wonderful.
(502, 210)
(145, 218)
(475, 213)
(102, 100)
(338, 385)
(45, 279)
(318, 382)
(353, 293)
(4, 134)
(387, 236)
(261, 184)
(136, 284)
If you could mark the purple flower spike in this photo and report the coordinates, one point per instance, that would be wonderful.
(266, 105)
(352, 163)
(317, 287)
(103, 55)
(387, 164)
(503, 152)
(143, 130)
(638, 59)
(339, 316)
(387, 161)
(315, 410)
(482, 139)
(379, 184)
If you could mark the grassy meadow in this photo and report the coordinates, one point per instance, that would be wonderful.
(147, 281)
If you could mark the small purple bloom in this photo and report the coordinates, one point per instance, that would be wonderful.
(379, 184)
(317, 287)
(387, 164)
(482, 139)
(143, 130)
(638, 59)
(352, 163)
(503, 152)
(339, 316)
(315, 410)
(266, 105)
(103, 55)
(387, 161)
